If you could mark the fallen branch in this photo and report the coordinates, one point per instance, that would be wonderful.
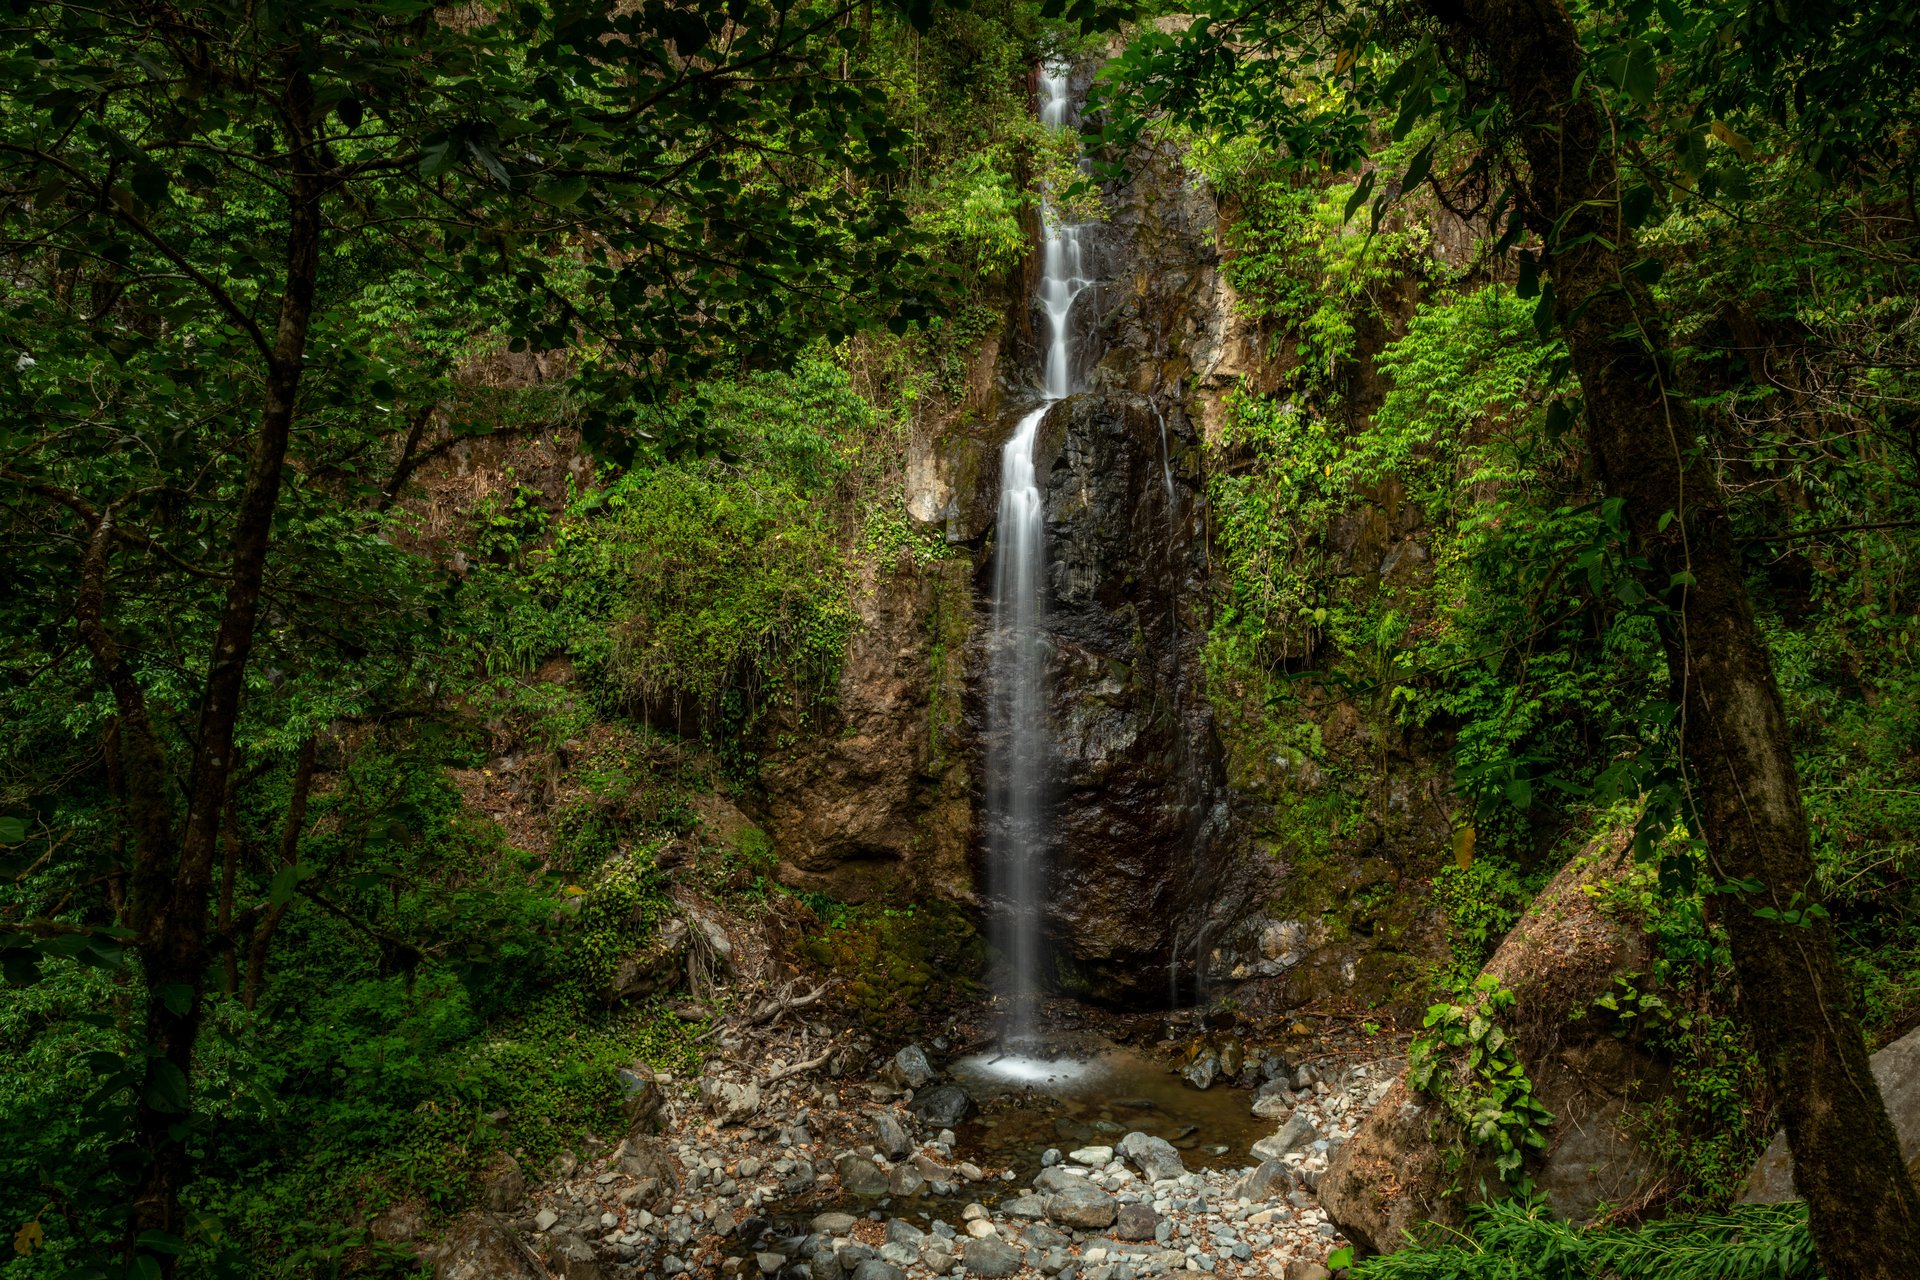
(786, 1004)
(797, 1068)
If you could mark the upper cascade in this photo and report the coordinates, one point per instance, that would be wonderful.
(1019, 832)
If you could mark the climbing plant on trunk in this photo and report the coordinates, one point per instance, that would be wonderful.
(1513, 77)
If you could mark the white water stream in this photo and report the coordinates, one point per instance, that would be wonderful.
(1017, 825)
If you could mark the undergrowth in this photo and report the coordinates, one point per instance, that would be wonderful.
(1518, 1240)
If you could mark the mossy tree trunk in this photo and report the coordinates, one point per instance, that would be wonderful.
(1745, 793)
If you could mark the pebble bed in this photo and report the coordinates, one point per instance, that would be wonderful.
(896, 1206)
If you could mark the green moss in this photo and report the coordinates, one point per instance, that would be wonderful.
(900, 964)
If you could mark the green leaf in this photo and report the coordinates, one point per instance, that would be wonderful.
(1361, 190)
(1640, 72)
(562, 192)
(166, 1087)
(1340, 1258)
(1417, 169)
(1519, 793)
(436, 156)
(12, 830)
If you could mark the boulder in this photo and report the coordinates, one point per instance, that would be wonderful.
(890, 1137)
(860, 1177)
(1200, 1073)
(502, 1186)
(1272, 1100)
(1084, 1207)
(640, 1097)
(573, 1258)
(1051, 1181)
(992, 1257)
(909, 1068)
(730, 1102)
(654, 969)
(656, 1179)
(945, 1105)
(1271, 1181)
(1399, 1172)
(397, 1224)
(1027, 1207)
(482, 1247)
(1896, 1069)
(1154, 1157)
(1135, 1222)
(834, 1224)
(1296, 1133)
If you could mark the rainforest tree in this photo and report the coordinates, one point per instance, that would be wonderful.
(1545, 120)
(209, 215)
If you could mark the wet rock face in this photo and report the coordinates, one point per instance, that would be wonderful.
(1135, 798)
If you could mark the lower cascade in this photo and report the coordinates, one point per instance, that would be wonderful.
(1018, 828)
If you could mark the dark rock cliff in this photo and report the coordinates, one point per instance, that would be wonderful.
(1191, 855)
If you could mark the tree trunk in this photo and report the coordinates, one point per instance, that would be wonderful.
(1744, 791)
(173, 947)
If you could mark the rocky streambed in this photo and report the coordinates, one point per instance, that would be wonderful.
(1090, 1169)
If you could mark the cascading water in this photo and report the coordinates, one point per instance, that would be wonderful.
(1017, 767)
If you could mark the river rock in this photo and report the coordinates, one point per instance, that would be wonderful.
(944, 1105)
(833, 1224)
(730, 1102)
(1084, 1207)
(992, 1257)
(890, 1137)
(1154, 1157)
(1896, 1069)
(1092, 1157)
(1200, 1073)
(878, 1269)
(1296, 1133)
(859, 1176)
(1395, 1174)
(909, 1068)
(1135, 1222)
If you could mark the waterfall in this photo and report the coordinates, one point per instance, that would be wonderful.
(1017, 825)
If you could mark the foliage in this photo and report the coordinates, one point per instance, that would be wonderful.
(1520, 1240)
(1464, 1059)
(1482, 901)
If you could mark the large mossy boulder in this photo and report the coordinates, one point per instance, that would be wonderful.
(1407, 1165)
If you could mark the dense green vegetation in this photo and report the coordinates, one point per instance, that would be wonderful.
(441, 457)
(487, 256)
(1760, 243)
